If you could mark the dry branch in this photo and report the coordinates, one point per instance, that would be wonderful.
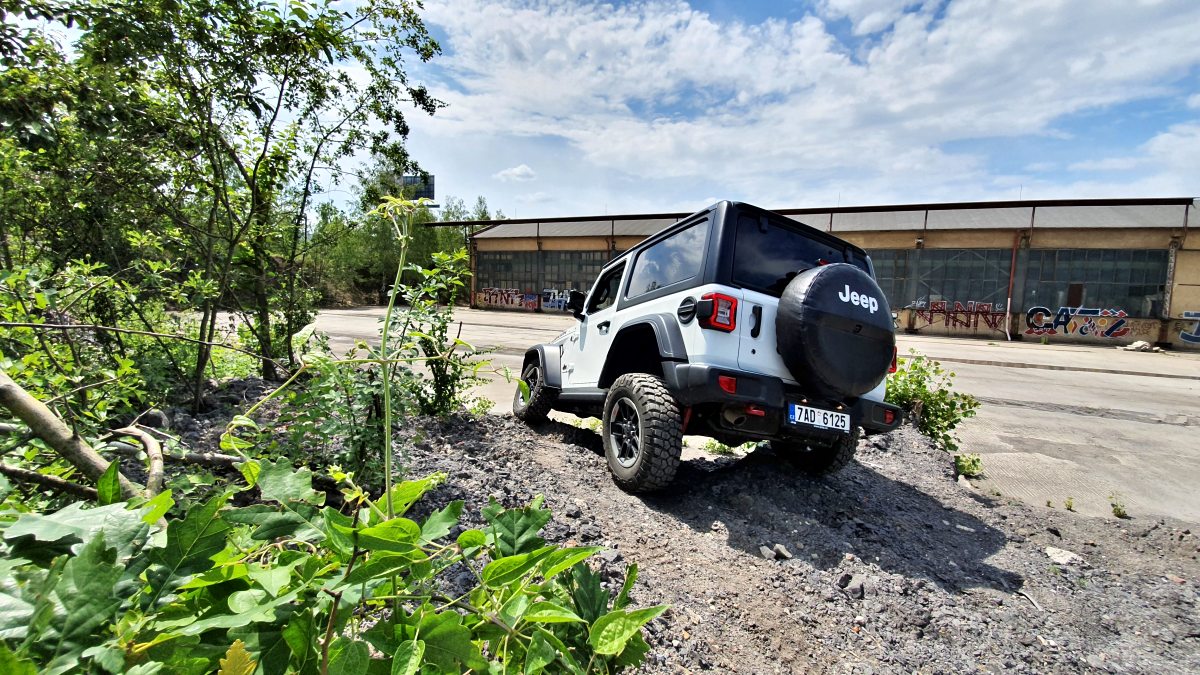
(154, 455)
(48, 427)
(52, 482)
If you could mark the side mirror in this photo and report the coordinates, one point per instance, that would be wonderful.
(575, 303)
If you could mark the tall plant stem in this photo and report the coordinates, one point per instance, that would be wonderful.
(387, 367)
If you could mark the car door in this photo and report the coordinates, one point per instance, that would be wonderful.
(584, 358)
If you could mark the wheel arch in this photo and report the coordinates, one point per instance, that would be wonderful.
(641, 346)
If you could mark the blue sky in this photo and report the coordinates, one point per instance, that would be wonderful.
(577, 108)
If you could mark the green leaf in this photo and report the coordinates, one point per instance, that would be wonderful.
(271, 523)
(86, 595)
(564, 559)
(397, 534)
(108, 488)
(191, 543)
(409, 491)
(590, 598)
(550, 612)
(563, 652)
(302, 635)
(513, 610)
(157, 507)
(378, 567)
(217, 575)
(500, 572)
(11, 665)
(439, 523)
(634, 653)
(447, 642)
(280, 482)
(471, 539)
(349, 657)
(73, 525)
(516, 530)
(610, 633)
(631, 575)
(251, 469)
(272, 578)
(539, 655)
(408, 657)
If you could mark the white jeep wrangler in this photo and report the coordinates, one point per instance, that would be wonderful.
(735, 323)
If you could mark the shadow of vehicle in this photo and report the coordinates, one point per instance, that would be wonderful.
(762, 501)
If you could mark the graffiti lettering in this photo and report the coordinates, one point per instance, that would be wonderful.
(554, 299)
(1194, 336)
(965, 316)
(1082, 321)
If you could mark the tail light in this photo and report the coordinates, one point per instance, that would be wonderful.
(895, 351)
(721, 312)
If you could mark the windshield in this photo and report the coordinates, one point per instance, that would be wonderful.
(767, 254)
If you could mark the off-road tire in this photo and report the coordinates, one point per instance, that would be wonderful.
(818, 460)
(541, 398)
(658, 426)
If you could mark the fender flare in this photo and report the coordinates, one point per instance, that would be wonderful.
(669, 339)
(549, 358)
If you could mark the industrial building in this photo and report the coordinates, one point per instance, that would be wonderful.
(1093, 270)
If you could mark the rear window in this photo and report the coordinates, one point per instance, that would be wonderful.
(767, 254)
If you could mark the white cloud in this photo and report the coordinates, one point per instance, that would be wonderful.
(1193, 102)
(520, 174)
(1107, 164)
(655, 102)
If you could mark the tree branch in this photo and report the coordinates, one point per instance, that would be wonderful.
(48, 427)
(154, 470)
(52, 482)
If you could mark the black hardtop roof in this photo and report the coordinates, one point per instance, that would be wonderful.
(737, 207)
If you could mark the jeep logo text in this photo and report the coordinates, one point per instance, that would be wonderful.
(860, 299)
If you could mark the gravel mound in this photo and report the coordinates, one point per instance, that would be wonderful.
(889, 566)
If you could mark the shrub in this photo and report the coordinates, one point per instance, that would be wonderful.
(970, 466)
(299, 586)
(923, 388)
(1118, 505)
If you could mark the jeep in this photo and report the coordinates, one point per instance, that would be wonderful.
(735, 323)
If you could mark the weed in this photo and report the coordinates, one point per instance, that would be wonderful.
(970, 466)
(716, 447)
(1117, 502)
(1049, 504)
(923, 388)
(1069, 504)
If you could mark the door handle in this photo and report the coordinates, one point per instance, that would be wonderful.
(757, 314)
(603, 327)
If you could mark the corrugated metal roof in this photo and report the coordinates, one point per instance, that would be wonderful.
(1056, 213)
(1110, 216)
(508, 230)
(818, 221)
(645, 227)
(981, 219)
(873, 221)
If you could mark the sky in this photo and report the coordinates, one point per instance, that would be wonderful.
(560, 108)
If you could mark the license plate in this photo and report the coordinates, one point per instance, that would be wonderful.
(815, 417)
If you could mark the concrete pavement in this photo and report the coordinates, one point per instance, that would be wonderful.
(1057, 421)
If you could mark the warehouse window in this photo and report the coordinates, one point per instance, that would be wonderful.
(891, 271)
(964, 275)
(506, 269)
(1128, 280)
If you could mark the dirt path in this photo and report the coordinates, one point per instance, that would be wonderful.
(894, 567)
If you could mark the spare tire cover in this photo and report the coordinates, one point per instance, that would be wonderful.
(834, 331)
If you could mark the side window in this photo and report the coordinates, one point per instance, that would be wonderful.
(674, 259)
(605, 293)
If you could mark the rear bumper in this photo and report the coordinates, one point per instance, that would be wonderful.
(697, 384)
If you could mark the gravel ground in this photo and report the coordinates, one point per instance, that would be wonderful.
(889, 566)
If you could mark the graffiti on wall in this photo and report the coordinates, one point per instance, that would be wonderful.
(555, 300)
(1194, 336)
(1081, 321)
(507, 298)
(963, 316)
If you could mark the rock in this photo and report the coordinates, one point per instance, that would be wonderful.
(767, 552)
(155, 419)
(1176, 579)
(1062, 556)
(589, 532)
(782, 553)
(855, 585)
(572, 512)
(1054, 531)
(962, 481)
